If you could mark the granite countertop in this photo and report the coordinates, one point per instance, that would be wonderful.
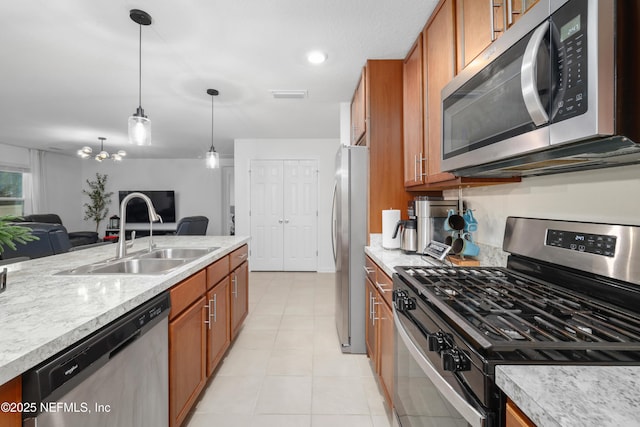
(42, 313)
(574, 396)
(388, 259)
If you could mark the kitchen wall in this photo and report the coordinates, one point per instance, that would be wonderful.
(604, 195)
(323, 150)
(198, 189)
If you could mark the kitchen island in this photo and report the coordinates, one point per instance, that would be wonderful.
(42, 313)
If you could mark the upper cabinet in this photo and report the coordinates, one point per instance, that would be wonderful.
(358, 112)
(413, 111)
(479, 23)
(381, 83)
(429, 66)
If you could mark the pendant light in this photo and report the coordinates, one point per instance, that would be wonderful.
(86, 152)
(139, 124)
(212, 158)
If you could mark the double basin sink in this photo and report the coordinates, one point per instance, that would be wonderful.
(157, 261)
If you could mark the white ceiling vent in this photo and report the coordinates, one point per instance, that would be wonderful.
(289, 94)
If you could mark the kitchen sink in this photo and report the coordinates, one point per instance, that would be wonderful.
(158, 261)
(177, 253)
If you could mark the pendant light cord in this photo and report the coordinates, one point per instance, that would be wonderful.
(212, 148)
(140, 68)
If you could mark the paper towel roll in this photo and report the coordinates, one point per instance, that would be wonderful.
(389, 220)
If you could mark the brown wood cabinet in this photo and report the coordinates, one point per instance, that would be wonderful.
(515, 418)
(207, 310)
(438, 68)
(383, 136)
(475, 30)
(379, 331)
(413, 112)
(219, 324)
(239, 297)
(187, 346)
(11, 392)
(359, 112)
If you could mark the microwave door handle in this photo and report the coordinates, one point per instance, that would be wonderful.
(528, 73)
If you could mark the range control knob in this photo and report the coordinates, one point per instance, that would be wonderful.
(454, 360)
(398, 294)
(437, 341)
(405, 303)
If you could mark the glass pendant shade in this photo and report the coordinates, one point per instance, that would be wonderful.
(139, 129)
(212, 159)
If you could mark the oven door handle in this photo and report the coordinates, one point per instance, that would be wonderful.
(528, 77)
(470, 414)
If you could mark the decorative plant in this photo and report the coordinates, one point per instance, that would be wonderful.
(97, 209)
(11, 233)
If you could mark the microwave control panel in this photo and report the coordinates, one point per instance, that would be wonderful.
(597, 244)
(570, 52)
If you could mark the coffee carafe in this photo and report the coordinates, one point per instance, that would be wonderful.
(408, 234)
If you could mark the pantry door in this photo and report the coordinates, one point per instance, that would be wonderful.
(300, 215)
(284, 215)
(266, 215)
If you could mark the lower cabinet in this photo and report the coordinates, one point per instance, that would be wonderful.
(239, 297)
(207, 310)
(379, 331)
(11, 392)
(515, 418)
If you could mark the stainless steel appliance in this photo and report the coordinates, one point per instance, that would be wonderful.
(349, 237)
(557, 92)
(570, 294)
(408, 230)
(431, 214)
(119, 376)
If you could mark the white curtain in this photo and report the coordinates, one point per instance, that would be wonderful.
(37, 194)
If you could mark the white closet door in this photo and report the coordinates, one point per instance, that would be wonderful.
(300, 215)
(267, 220)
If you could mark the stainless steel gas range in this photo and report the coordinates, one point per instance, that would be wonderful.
(570, 294)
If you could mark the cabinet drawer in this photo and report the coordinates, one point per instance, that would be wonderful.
(370, 269)
(384, 285)
(186, 292)
(217, 271)
(238, 256)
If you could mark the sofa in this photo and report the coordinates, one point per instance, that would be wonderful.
(76, 238)
(52, 239)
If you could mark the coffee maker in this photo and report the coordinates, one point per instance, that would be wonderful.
(430, 214)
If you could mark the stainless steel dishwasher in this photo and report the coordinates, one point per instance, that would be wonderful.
(118, 376)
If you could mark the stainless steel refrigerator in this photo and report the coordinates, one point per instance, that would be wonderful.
(349, 237)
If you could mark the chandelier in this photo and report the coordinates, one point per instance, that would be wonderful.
(86, 152)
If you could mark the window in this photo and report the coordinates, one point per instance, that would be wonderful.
(11, 193)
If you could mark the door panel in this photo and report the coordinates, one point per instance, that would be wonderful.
(300, 218)
(284, 215)
(267, 215)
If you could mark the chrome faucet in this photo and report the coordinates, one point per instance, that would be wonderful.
(121, 250)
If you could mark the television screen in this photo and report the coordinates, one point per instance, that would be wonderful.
(164, 203)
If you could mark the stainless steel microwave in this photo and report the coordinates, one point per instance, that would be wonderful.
(557, 92)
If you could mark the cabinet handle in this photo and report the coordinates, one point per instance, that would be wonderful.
(373, 305)
(370, 305)
(422, 159)
(243, 256)
(235, 285)
(368, 270)
(382, 288)
(215, 308)
(208, 321)
(415, 167)
(492, 7)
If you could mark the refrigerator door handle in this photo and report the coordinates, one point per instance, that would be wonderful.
(334, 223)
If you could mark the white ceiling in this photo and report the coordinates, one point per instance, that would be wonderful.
(69, 69)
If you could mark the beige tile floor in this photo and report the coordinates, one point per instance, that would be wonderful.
(286, 369)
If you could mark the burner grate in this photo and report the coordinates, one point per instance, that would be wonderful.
(515, 312)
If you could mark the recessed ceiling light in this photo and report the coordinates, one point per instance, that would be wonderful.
(289, 94)
(316, 57)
